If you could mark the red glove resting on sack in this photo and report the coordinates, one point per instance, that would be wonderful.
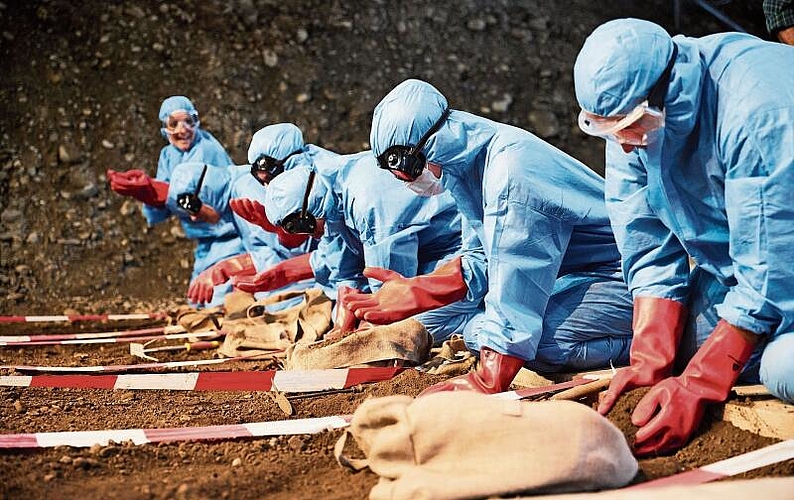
(672, 409)
(344, 321)
(494, 374)
(200, 291)
(402, 297)
(658, 325)
(282, 274)
(138, 185)
(254, 212)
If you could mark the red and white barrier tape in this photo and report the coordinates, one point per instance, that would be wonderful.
(121, 368)
(729, 467)
(111, 340)
(268, 380)
(85, 439)
(72, 336)
(72, 318)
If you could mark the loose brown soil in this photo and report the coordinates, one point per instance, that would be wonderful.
(80, 86)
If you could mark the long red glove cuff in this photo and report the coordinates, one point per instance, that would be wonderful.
(296, 269)
(161, 193)
(239, 265)
(443, 286)
(658, 325)
(716, 365)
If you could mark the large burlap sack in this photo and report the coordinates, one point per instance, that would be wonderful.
(194, 320)
(403, 342)
(265, 330)
(455, 445)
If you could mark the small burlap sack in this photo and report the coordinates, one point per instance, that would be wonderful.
(194, 320)
(263, 332)
(406, 341)
(451, 359)
(455, 445)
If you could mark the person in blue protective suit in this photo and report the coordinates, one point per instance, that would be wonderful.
(201, 192)
(555, 298)
(406, 234)
(699, 167)
(187, 141)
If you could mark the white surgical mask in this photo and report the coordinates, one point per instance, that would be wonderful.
(426, 185)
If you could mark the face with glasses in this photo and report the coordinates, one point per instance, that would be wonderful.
(180, 128)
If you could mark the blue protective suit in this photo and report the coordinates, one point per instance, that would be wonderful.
(716, 186)
(215, 242)
(205, 148)
(399, 231)
(555, 295)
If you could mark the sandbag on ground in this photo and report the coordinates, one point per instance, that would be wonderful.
(457, 445)
(402, 342)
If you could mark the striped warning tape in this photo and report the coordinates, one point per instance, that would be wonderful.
(267, 380)
(72, 318)
(122, 368)
(110, 340)
(85, 439)
(92, 335)
(728, 467)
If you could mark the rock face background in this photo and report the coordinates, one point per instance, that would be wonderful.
(81, 84)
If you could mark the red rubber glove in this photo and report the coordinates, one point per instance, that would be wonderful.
(494, 374)
(345, 321)
(402, 297)
(254, 212)
(672, 409)
(658, 325)
(285, 272)
(138, 185)
(200, 290)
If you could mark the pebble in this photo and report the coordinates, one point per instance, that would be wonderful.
(237, 462)
(19, 406)
(107, 144)
(49, 477)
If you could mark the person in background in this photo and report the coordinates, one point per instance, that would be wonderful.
(555, 295)
(187, 141)
(779, 16)
(699, 168)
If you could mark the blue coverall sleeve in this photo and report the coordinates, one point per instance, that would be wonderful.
(339, 259)
(156, 215)
(396, 251)
(655, 263)
(259, 244)
(761, 221)
(525, 247)
(473, 264)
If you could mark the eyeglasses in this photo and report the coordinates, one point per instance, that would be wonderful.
(302, 222)
(269, 167)
(188, 120)
(649, 114)
(409, 160)
(190, 202)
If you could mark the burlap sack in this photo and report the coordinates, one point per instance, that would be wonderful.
(451, 359)
(455, 445)
(263, 332)
(193, 320)
(406, 341)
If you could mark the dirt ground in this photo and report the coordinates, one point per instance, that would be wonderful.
(80, 86)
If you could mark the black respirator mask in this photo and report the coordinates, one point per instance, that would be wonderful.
(190, 202)
(269, 166)
(302, 222)
(409, 160)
